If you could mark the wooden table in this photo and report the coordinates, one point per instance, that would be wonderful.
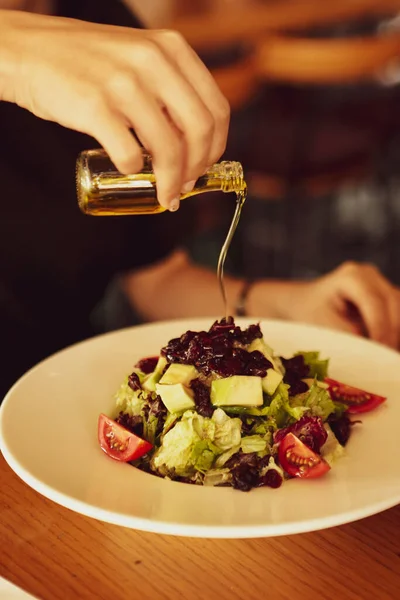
(56, 554)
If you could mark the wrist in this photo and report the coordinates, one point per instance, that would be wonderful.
(273, 299)
(241, 298)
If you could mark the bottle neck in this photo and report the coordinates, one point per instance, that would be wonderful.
(230, 173)
(226, 176)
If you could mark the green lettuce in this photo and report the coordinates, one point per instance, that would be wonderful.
(170, 421)
(282, 410)
(174, 454)
(217, 477)
(264, 428)
(150, 428)
(251, 412)
(340, 408)
(332, 449)
(228, 430)
(316, 401)
(129, 401)
(225, 456)
(253, 443)
(277, 409)
(203, 455)
(318, 367)
(194, 443)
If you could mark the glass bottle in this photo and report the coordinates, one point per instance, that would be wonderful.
(103, 191)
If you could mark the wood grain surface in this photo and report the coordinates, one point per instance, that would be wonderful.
(56, 554)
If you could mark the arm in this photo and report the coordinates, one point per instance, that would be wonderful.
(104, 80)
(177, 288)
(353, 298)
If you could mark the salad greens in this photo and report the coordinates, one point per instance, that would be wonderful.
(220, 408)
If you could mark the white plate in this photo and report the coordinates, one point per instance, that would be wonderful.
(48, 424)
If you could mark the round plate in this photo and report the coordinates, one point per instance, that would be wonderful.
(48, 432)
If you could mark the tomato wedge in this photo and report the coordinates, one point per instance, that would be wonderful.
(356, 400)
(118, 442)
(298, 460)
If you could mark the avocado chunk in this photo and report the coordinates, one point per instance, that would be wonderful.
(149, 382)
(271, 381)
(176, 397)
(238, 390)
(177, 373)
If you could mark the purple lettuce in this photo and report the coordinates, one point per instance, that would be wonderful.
(310, 430)
(219, 350)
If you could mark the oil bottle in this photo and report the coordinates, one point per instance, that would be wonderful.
(103, 191)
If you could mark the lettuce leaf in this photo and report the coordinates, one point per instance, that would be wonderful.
(175, 453)
(203, 455)
(340, 408)
(217, 477)
(331, 450)
(282, 410)
(264, 428)
(318, 367)
(194, 443)
(253, 443)
(150, 428)
(129, 401)
(242, 410)
(225, 456)
(316, 401)
(227, 430)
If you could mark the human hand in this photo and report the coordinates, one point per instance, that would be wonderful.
(355, 298)
(104, 80)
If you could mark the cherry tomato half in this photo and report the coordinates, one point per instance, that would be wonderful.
(119, 443)
(298, 460)
(357, 400)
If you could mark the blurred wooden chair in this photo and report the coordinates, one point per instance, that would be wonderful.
(278, 49)
(331, 66)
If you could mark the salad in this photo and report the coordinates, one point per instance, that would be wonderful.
(220, 408)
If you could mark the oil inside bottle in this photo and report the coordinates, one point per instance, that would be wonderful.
(240, 200)
(108, 193)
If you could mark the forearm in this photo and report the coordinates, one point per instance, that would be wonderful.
(277, 299)
(177, 288)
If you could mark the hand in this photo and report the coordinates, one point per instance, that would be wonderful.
(103, 80)
(355, 298)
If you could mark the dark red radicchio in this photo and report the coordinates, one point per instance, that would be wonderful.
(310, 430)
(295, 370)
(219, 350)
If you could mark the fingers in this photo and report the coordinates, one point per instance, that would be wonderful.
(188, 113)
(156, 132)
(195, 73)
(113, 79)
(195, 116)
(112, 133)
(373, 297)
(394, 313)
